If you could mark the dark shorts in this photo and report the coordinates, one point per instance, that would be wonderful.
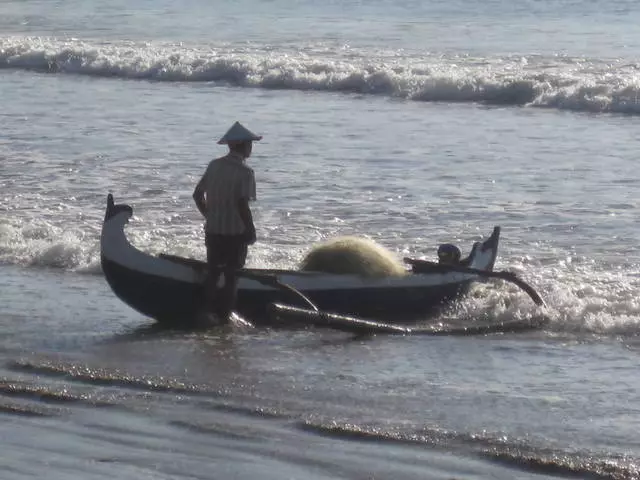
(225, 252)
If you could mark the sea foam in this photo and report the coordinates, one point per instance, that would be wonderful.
(577, 84)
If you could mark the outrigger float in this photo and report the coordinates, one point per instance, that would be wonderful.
(170, 289)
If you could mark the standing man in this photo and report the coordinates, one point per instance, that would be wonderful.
(222, 196)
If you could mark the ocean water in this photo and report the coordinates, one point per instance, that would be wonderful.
(412, 123)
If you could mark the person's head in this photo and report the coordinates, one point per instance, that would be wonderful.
(239, 139)
(241, 148)
(449, 254)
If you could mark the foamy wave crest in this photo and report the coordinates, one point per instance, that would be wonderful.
(35, 242)
(38, 243)
(562, 83)
(580, 299)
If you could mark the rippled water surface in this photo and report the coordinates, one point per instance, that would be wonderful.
(410, 123)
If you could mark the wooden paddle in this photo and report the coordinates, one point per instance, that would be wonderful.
(273, 281)
(434, 267)
(335, 321)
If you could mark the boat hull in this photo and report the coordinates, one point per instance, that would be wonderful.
(171, 291)
(163, 299)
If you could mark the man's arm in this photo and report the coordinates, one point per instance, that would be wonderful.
(247, 218)
(199, 197)
(248, 193)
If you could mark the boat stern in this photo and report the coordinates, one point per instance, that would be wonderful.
(483, 254)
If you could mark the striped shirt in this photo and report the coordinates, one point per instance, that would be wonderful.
(227, 180)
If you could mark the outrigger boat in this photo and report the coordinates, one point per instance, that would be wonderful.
(170, 289)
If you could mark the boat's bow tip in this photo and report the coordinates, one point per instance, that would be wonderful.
(113, 209)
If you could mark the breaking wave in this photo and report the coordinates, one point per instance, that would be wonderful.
(41, 244)
(582, 299)
(563, 83)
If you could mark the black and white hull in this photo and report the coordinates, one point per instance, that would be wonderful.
(170, 289)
